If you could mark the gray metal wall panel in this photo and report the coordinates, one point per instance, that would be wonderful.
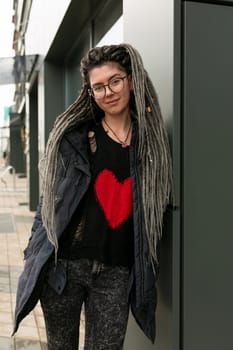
(32, 155)
(16, 157)
(208, 174)
(54, 100)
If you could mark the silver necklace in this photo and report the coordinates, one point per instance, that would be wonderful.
(123, 143)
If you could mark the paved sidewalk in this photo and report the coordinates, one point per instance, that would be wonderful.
(15, 227)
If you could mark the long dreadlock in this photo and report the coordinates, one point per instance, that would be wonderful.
(153, 147)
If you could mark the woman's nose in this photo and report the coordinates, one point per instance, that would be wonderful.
(108, 91)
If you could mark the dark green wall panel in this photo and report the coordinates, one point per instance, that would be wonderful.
(207, 174)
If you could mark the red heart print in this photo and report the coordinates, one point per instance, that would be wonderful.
(114, 197)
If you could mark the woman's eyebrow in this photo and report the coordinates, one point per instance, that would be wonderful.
(112, 77)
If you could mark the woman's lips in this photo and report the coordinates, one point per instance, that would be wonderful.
(113, 102)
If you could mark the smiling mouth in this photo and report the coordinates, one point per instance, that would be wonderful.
(112, 102)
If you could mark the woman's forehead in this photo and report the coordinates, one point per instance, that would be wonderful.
(101, 74)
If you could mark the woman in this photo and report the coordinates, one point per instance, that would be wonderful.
(107, 182)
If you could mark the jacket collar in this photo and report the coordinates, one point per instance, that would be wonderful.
(77, 138)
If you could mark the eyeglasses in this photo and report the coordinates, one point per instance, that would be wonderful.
(115, 85)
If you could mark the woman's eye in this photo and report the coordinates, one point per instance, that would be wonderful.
(98, 88)
(115, 82)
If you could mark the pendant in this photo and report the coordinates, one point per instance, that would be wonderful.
(124, 145)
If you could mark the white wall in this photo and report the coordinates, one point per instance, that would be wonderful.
(114, 35)
(45, 19)
(148, 25)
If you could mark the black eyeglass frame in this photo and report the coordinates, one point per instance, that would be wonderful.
(91, 91)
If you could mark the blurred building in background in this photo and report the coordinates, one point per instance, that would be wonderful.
(187, 49)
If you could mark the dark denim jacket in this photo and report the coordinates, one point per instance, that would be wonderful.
(72, 181)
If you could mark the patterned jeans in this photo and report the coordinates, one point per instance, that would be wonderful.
(103, 291)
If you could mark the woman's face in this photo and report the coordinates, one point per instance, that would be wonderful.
(112, 103)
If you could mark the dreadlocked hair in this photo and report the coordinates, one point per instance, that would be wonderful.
(152, 146)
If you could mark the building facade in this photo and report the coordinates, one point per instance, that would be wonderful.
(187, 50)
